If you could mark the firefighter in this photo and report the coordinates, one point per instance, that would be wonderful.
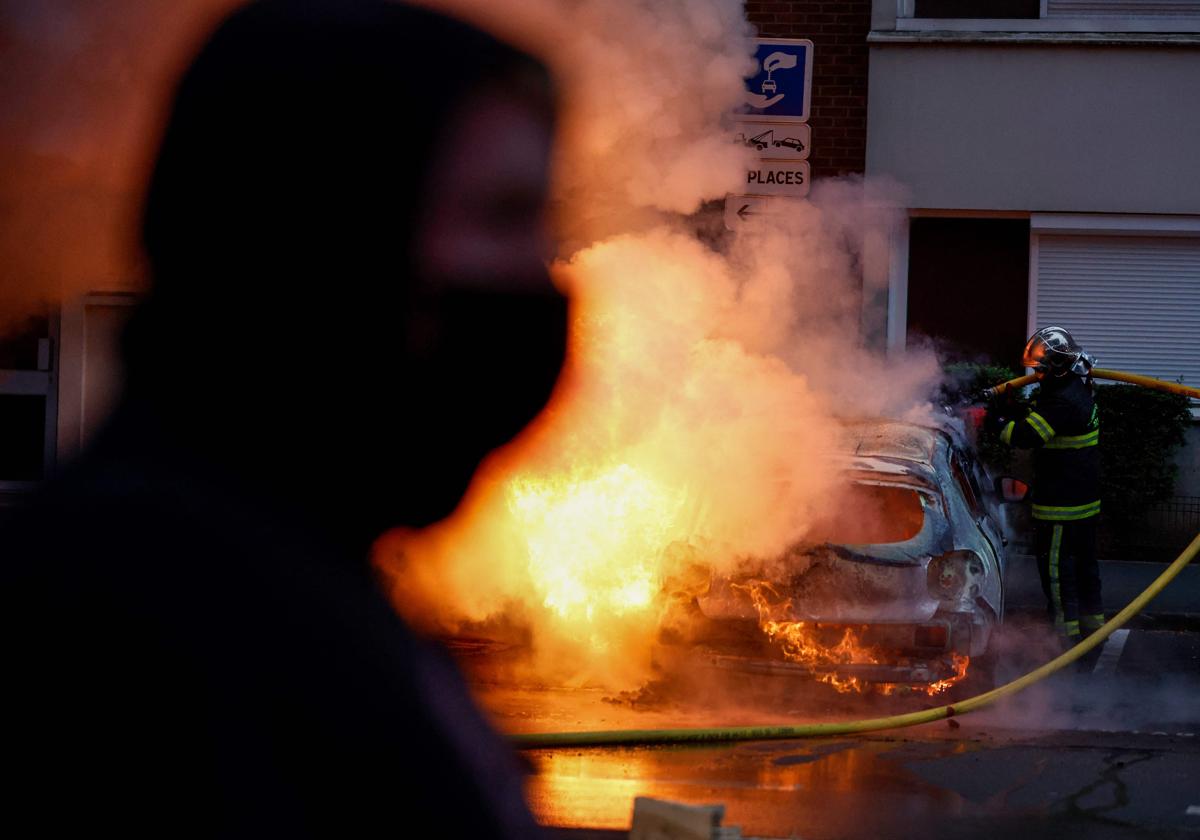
(1063, 430)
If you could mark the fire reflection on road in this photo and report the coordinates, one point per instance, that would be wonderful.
(810, 789)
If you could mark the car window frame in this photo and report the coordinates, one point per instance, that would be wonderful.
(961, 474)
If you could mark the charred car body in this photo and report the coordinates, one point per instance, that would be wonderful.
(900, 587)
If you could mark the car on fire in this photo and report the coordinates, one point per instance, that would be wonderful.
(903, 586)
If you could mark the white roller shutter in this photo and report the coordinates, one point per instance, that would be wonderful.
(1133, 301)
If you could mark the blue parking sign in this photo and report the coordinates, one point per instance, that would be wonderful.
(782, 86)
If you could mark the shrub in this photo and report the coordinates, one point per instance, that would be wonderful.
(965, 383)
(1140, 430)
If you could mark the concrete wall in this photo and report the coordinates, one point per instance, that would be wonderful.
(90, 372)
(1046, 127)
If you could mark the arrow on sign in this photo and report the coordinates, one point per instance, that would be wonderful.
(739, 209)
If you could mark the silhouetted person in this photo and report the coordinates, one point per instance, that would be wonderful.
(350, 308)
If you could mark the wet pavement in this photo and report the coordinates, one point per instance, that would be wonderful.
(1111, 752)
(1123, 580)
(967, 782)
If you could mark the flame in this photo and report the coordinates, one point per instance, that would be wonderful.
(961, 663)
(594, 543)
(703, 373)
(669, 445)
(805, 643)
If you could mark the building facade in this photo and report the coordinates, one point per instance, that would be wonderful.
(1060, 147)
(1049, 154)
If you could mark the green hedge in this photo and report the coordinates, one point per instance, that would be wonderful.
(965, 383)
(1140, 430)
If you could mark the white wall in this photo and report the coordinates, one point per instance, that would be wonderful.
(90, 374)
(1054, 127)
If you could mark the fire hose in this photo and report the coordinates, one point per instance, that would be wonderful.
(641, 737)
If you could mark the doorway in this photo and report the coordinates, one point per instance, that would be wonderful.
(968, 287)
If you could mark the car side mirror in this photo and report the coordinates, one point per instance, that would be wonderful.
(1012, 489)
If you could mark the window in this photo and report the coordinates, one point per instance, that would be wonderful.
(26, 404)
(1061, 17)
(872, 514)
(965, 485)
(1122, 8)
(977, 9)
(22, 437)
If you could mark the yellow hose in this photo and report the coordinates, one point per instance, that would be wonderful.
(1147, 382)
(1113, 375)
(1019, 382)
(628, 737)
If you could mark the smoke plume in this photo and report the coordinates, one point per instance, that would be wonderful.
(707, 368)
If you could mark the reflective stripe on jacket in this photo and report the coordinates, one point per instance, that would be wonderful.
(1063, 429)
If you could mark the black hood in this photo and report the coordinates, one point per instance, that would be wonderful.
(279, 227)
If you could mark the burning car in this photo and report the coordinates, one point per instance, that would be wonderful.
(903, 586)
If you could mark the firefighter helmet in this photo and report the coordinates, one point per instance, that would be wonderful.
(1052, 350)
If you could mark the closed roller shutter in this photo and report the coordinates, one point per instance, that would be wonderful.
(1132, 301)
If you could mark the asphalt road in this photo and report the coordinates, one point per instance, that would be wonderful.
(1113, 751)
(970, 782)
(1176, 606)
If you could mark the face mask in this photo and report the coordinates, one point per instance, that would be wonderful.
(487, 364)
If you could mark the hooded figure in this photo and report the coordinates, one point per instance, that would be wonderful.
(350, 309)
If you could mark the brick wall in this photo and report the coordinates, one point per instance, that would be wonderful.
(838, 31)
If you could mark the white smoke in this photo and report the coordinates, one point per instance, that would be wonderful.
(710, 367)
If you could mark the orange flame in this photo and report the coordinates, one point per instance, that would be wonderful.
(594, 543)
(669, 446)
(806, 643)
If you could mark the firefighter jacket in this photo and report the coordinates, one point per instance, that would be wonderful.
(1063, 429)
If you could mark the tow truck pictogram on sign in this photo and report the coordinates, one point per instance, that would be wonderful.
(781, 141)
